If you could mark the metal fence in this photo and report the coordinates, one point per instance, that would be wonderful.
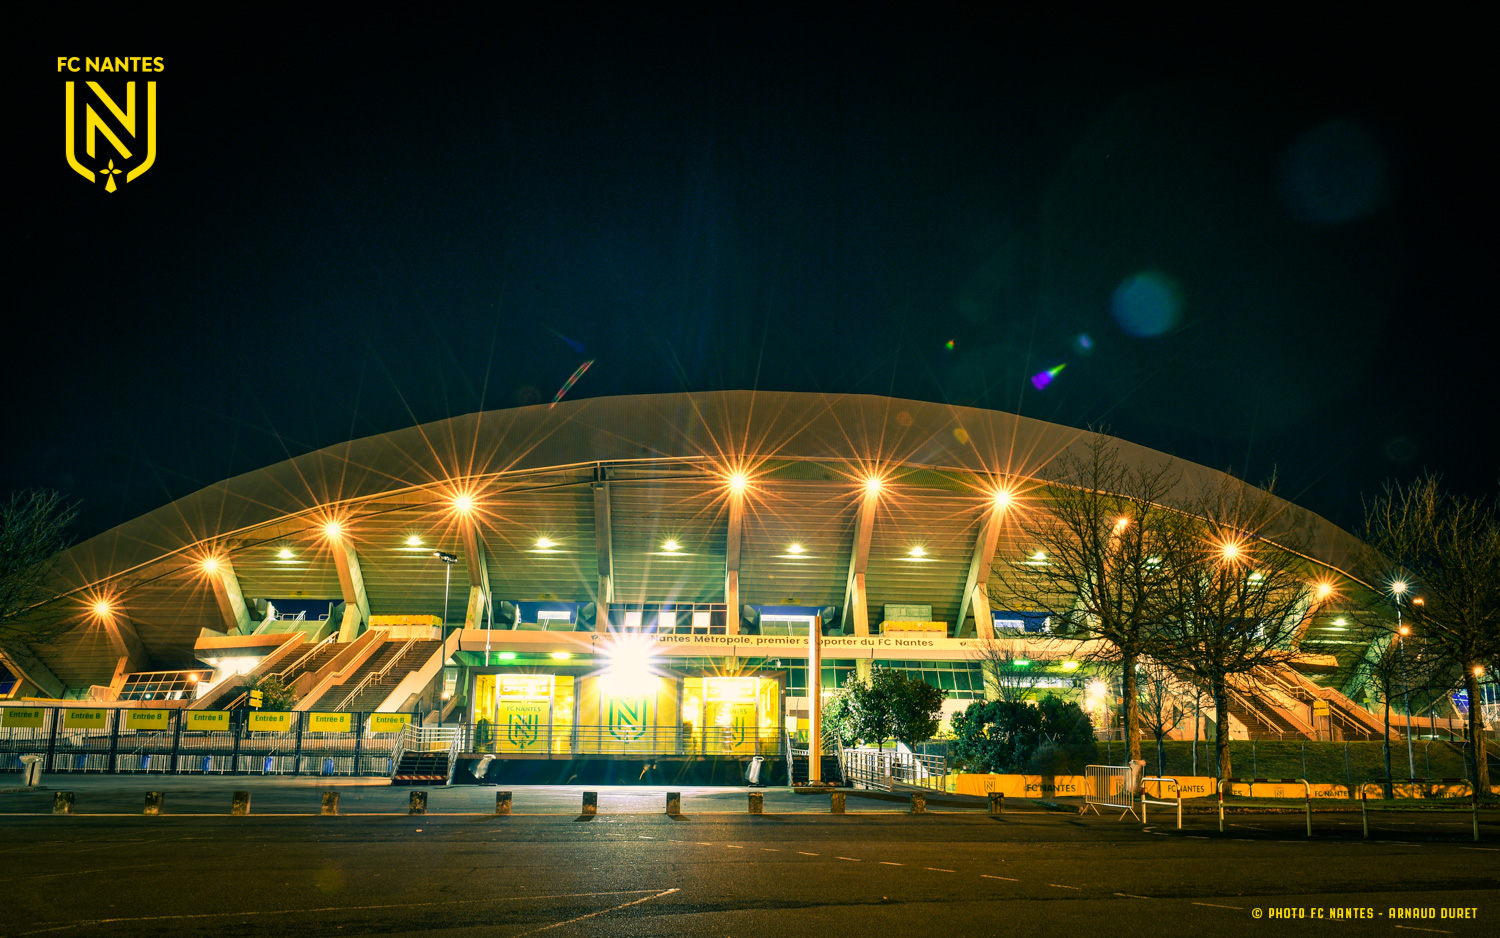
(886, 769)
(115, 747)
(1113, 786)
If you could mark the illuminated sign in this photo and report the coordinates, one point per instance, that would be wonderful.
(730, 688)
(21, 717)
(910, 626)
(526, 686)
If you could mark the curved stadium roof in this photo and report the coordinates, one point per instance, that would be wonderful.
(531, 471)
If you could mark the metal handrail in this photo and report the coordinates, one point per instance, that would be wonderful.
(1166, 804)
(376, 675)
(245, 695)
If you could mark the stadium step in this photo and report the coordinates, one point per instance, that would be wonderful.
(422, 768)
(832, 771)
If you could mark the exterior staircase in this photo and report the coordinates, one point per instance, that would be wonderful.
(369, 686)
(833, 773)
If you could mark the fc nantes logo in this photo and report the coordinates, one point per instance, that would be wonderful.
(522, 731)
(628, 718)
(109, 134)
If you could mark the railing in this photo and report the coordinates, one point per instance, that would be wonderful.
(1113, 786)
(108, 744)
(1166, 804)
(374, 676)
(885, 769)
(1252, 782)
(244, 697)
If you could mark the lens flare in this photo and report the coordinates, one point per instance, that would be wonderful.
(1041, 379)
(572, 380)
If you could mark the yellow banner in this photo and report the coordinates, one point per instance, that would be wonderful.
(85, 719)
(327, 723)
(886, 627)
(21, 717)
(1020, 786)
(1192, 787)
(147, 719)
(388, 722)
(730, 688)
(207, 720)
(272, 722)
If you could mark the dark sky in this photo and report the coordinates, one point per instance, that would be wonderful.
(1256, 245)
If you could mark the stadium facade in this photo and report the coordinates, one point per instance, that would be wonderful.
(626, 580)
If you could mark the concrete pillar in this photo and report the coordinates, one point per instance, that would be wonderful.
(836, 803)
(502, 802)
(757, 802)
(153, 804)
(590, 803)
(814, 701)
(674, 803)
(417, 803)
(240, 806)
(330, 803)
(918, 802)
(62, 802)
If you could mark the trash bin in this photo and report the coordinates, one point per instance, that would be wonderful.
(328, 766)
(270, 761)
(31, 769)
(752, 771)
(208, 762)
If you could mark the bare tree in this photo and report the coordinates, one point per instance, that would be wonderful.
(33, 531)
(1094, 559)
(1242, 594)
(1445, 549)
(1402, 661)
(1006, 664)
(1161, 694)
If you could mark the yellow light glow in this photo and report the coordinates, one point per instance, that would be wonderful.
(670, 546)
(1039, 555)
(102, 608)
(1478, 672)
(737, 482)
(1324, 589)
(333, 530)
(1399, 587)
(560, 656)
(209, 564)
(1418, 601)
(1230, 550)
(1121, 524)
(794, 549)
(1404, 630)
(193, 678)
(544, 543)
(1097, 690)
(1002, 498)
(873, 485)
(1070, 666)
(918, 552)
(414, 541)
(463, 504)
(284, 554)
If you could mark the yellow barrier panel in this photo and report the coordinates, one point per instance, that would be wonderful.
(270, 722)
(207, 720)
(1192, 787)
(147, 719)
(328, 722)
(85, 719)
(388, 722)
(1018, 786)
(21, 717)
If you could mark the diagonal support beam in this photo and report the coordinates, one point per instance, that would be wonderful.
(604, 551)
(976, 585)
(20, 659)
(732, 538)
(352, 588)
(855, 615)
(479, 575)
(231, 599)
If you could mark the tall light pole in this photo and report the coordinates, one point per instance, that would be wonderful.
(448, 561)
(1399, 589)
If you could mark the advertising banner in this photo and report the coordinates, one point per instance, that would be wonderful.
(1019, 786)
(523, 725)
(1192, 787)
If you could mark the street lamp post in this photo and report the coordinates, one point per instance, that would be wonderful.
(1398, 589)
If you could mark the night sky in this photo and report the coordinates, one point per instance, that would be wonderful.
(1257, 245)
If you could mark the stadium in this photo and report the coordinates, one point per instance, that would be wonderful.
(597, 590)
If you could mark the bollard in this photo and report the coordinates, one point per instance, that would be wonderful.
(417, 803)
(240, 806)
(330, 803)
(836, 803)
(918, 802)
(1179, 807)
(502, 802)
(997, 803)
(1364, 818)
(674, 804)
(153, 804)
(62, 802)
(590, 803)
(1309, 809)
(1474, 807)
(757, 802)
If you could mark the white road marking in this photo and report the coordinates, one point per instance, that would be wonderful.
(850, 859)
(1213, 906)
(704, 843)
(1061, 886)
(600, 912)
(1415, 928)
(770, 849)
(806, 854)
(1128, 895)
(938, 869)
(1480, 848)
(1006, 878)
(889, 863)
(734, 847)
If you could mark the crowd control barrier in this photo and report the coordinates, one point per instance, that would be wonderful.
(1166, 804)
(1113, 786)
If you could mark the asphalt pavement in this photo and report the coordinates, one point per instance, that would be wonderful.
(633, 871)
